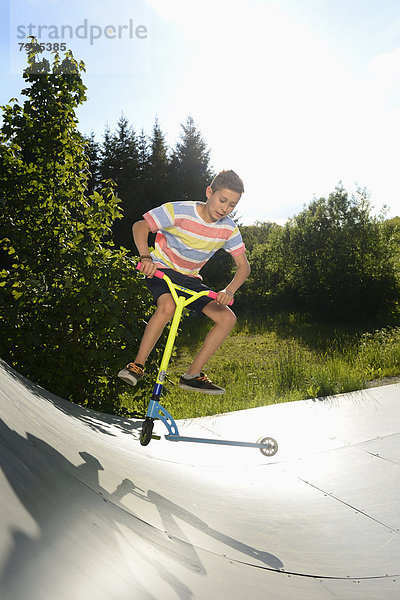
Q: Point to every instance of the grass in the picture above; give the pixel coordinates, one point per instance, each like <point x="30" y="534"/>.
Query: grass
<point x="278" y="359"/>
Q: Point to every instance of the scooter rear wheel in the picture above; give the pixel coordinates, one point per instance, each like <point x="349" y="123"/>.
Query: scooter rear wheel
<point x="271" y="446"/>
<point x="147" y="430"/>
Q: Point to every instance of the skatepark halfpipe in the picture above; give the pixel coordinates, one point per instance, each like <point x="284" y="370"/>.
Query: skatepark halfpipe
<point x="87" y="512"/>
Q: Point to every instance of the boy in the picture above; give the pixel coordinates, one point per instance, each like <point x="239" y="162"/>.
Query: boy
<point x="188" y="234"/>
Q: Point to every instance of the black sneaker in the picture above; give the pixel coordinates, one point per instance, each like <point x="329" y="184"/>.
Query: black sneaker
<point x="200" y="384"/>
<point x="131" y="374"/>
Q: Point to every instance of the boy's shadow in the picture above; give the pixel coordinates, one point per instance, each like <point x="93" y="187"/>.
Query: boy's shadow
<point x="63" y="499"/>
<point x="171" y="512"/>
<point x="72" y="521"/>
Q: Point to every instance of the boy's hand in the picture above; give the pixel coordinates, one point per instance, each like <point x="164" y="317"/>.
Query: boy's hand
<point x="224" y="297"/>
<point x="147" y="267"/>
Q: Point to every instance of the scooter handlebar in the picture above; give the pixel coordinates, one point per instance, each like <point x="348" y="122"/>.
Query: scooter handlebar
<point x="161" y="275"/>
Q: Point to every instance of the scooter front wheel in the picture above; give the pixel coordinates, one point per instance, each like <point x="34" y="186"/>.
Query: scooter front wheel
<point x="147" y="431"/>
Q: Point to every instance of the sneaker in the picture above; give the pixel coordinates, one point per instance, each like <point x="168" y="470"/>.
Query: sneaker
<point x="200" y="384"/>
<point x="131" y="374"/>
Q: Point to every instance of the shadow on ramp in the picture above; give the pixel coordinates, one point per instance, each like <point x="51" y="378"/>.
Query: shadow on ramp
<point x="86" y="512"/>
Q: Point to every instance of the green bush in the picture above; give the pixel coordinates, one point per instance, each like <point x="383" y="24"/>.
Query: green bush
<point x="334" y="259"/>
<point x="72" y="306"/>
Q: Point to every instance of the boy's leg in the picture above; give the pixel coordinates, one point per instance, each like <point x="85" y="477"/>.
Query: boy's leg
<point x="225" y="321"/>
<point x="154" y="328"/>
<point x="164" y="312"/>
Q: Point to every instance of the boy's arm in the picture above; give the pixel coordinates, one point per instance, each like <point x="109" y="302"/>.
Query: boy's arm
<point x="140" y="231"/>
<point x="242" y="273"/>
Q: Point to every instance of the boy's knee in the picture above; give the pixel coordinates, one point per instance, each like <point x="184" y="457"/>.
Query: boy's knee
<point x="233" y="319"/>
<point x="228" y="318"/>
<point x="166" y="308"/>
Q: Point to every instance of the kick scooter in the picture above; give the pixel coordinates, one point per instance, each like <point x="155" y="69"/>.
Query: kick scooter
<point x="267" y="445"/>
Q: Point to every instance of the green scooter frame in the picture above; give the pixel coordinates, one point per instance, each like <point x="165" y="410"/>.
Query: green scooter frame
<point x="268" y="446"/>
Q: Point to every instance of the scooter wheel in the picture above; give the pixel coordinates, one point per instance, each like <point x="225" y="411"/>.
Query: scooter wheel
<point x="271" y="446"/>
<point x="147" y="430"/>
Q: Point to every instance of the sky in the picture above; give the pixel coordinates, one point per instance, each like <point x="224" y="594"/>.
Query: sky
<point x="294" y="95"/>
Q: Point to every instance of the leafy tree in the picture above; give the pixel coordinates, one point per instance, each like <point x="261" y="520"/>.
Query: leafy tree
<point x="332" y="259"/>
<point x="257" y="234"/>
<point x="269" y="284"/>
<point x="70" y="303"/>
<point x="218" y="271"/>
<point x="392" y="234"/>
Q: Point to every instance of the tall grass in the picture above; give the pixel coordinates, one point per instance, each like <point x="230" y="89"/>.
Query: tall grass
<point x="278" y="359"/>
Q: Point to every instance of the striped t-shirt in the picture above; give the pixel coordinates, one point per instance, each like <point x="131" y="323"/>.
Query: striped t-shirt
<point x="185" y="242"/>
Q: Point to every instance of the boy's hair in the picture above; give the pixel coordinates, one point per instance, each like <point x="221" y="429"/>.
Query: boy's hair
<point x="228" y="180"/>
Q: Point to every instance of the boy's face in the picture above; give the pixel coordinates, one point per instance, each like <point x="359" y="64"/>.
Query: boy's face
<point x="219" y="204"/>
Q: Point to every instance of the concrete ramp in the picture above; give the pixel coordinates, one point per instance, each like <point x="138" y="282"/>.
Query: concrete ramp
<point x="87" y="513"/>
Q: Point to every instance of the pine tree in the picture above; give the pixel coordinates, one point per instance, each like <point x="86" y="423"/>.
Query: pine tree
<point x="158" y="189"/>
<point x="93" y="151"/>
<point x="143" y="155"/>
<point x="120" y="162"/>
<point x="190" y="168"/>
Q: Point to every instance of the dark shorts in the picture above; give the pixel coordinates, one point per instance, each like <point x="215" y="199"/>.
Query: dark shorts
<point x="158" y="287"/>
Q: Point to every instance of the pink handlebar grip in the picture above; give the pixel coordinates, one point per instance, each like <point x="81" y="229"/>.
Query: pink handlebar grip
<point x="160" y="275"/>
<point x="214" y="296"/>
